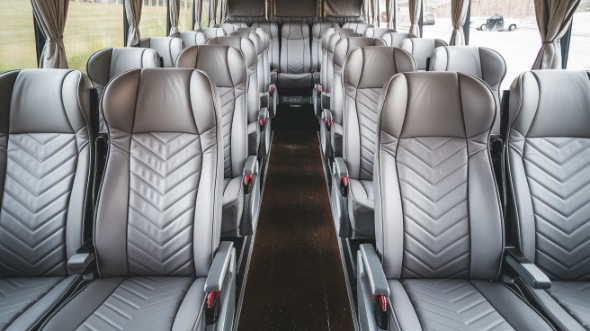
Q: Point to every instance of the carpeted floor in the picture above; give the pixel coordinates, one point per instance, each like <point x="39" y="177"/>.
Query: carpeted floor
<point x="295" y="280"/>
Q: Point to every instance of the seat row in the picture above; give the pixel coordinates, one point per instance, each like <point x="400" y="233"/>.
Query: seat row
<point x="442" y="259"/>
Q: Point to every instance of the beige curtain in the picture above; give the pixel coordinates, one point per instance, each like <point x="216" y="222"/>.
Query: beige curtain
<point x="415" y="6"/>
<point x="388" y="11"/>
<point x="553" y="19"/>
<point x="133" y="12"/>
<point x="458" y="16"/>
<point x="174" y="14"/>
<point x="51" y="16"/>
<point x="198" y="9"/>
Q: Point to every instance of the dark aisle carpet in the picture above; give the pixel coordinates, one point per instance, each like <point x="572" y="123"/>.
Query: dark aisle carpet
<point x="295" y="118"/>
<point x="295" y="280"/>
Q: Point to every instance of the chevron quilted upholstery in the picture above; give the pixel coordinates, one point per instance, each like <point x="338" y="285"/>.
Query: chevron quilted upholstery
<point x="433" y="184"/>
<point x="558" y="174"/>
<point x="574" y="298"/>
<point x="295" y="48"/>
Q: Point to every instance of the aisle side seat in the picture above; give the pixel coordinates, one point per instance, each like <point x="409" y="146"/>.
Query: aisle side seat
<point x="394" y="39"/>
<point x="200" y="36"/>
<point x="377" y="32"/>
<point x="272" y="31"/>
<point x="322" y="96"/>
<point x="167" y="47"/>
<point x="422" y="50"/>
<point x="317" y="31"/>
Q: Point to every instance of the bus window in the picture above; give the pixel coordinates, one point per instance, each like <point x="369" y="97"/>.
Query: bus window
<point x="185" y="21"/>
<point x="579" y="55"/>
<point x="154" y="17"/>
<point x="437" y="19"/>
<point x="403" y="16"/>
<point x="17" y="36"/>
<point x="510" y="28"/>
<point x="91" y="26"/>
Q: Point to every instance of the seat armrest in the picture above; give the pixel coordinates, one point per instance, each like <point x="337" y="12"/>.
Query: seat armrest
<point x="219" y="267"/>
<point x="520" y="265"/>
<point x="250" y="166"/>
<point x="328" y="118"/>
<point x="263" y="116"/>
<point x="81" y="261"/>
<point x="377" y="280"/>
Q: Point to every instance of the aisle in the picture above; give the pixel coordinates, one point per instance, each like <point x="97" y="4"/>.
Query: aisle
<point x="295" y="280"/>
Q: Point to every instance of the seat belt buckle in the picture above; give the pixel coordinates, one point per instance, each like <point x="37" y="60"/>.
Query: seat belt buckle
<point x="344" y="184"/>
<point x="212" y="309"/>
<point x="380" y="310"/>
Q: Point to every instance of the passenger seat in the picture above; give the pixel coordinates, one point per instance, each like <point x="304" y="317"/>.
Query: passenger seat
<point x="394" y="39"/>
<point x="377" y="32"/>
<point x="231" y="27"/>
<point x="167" y="47"/>
<point x="295" y="69"/>
<point x="272" y="30"/>
<point x="422" y="50"/>
<point x="200" y="36"/>
<point x="317" y="32"/>
<point x="358" y="27"/>
<point x="46" y="200"/>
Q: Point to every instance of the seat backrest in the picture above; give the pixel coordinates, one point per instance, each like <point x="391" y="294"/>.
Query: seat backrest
<point x="437" y="209"/>
<point x="266" y="56"/>
<point x="341" y="51"/>
<point x="226" y="68"/>
<point x="46" y="170"/>
<point x="200" y="36"/>
<point x="394" y="39"/>
<point x="325" y="41"/>
<point x="317" y="33"/>
<point x="246" y="46"/>
<point x="108" y="63"/>
<point x="230" y="27"/>
<point x="159" y="205"/>
<point x="377" y="32"/>
<point x="359" y="27"/>
<point x="272" y="30"/>
<point x="485" y="63"/>
<point x="548" y="162"/>
<point x="330" y="46"/>
<point x="295" y="48"/>
<point x="422" y="49"/>
<point x="365" y="72"/>
<point x="258" y="44"/>
<point x="167" y="47"/>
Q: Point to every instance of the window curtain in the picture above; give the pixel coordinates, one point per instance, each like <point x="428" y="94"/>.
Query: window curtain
<point x="198" y="9"/>
<point x="51" y="17"/>
<point x="133" y="12"/>
<point x="415" y="7"/>
<point x="458" y="16"/>
<point x="553" y="19"/>
<point x="174" y="14"/>
<point x="388" y="12"/>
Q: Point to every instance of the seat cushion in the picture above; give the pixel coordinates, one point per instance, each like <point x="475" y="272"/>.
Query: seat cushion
<point x="568" y="303"/>
<point x="23" y="301"/>
<point x="456" y="304"/>
<point x="361" y="208"/>
<point x="134" y="303"/>
<point x="295" y="80"/>
<point x="233" y="205"/>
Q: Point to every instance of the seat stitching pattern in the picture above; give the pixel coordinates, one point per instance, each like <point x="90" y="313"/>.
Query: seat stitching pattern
<point x="574" y="298"/>
<point x="366" y="107"/>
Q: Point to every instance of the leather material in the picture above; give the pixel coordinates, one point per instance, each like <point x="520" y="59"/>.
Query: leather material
<point x="324" y="73"/>
<point x="167" y="47"/>
<point x="446" y="222"/>
<point x="133" y="303"/>
<point x="200" y="36"/>
<point x="233" y="205"/>
<point x="422" y="49"/>
<point x="230" y="27"/>
<point x="330" y="46"/>
<point x="295" y="49"/>
<point x="394" y="39"/>
<point x="272" y="30"/>
<point x="377" y="32"/>
<point x="301" y="81"/>
<point x="548" y="157"/>
<point x="317" y="33"/>
<point x="361" y="207"/>
<point x="566" y="303"/>
<point x="484" y="63"/>
<point x="24" y="301"/>
<point x="357" y="27"/>
<point x="260" y="49"/>
<point x="159" y="209"/>
<point x="265" y="67"/>
<point x="108" y="63"/>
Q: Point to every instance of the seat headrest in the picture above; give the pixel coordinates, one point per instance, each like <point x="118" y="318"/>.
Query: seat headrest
<point x="253" y="36"/>
<point x="167" y="47"/>
<point x="107" y="63"/>
<point x="348" y="44"/>
<point x="157" y="100"/>
<point x="224" y="64"/>
<point x="62" y="95"/>
<point x="295" y="31"/>
<point x="336" y="36"/>
<point x="372" y="67"/>
<point x="244" y="44"/>
<point x="319" y="29"/>
<point x="437" y="104"/>
<point x="394" y="39"/>
<point x="329" y="33"/>
<point x="377" y="32"/>
<point x="422" y="49"/>
<point x="482" y="62"/>
<point x="551" y="103"/>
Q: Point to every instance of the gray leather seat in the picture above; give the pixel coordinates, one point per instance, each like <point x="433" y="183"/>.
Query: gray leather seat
<point x="167" y="47"/>
<point x="422" y="49"/>
<point x="332" y="118"/>
<point x="226" y="67"/>
<point x="231" y="27"/>
<point x="108" y="63"/>
<point x="200" y="36"/>
<point x="485" y="63"/>
<point x="258" y="136"/>
<point x="272" y="31"/>
<point x="157" y="223"/>
<point x="377" y="32"/>
<point x="438" y="219"/>
<point x="358" y="27"/>
<point x="295" y="57"/>
<point x="548" y="160"/>
<point x="317" y="34"/>
<point x="394" y="39"/>
<point x="322" y="97"/>
<point x="365" y="72"/>
<point x="46" y="174"/>
<point x="260" y="47"/>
